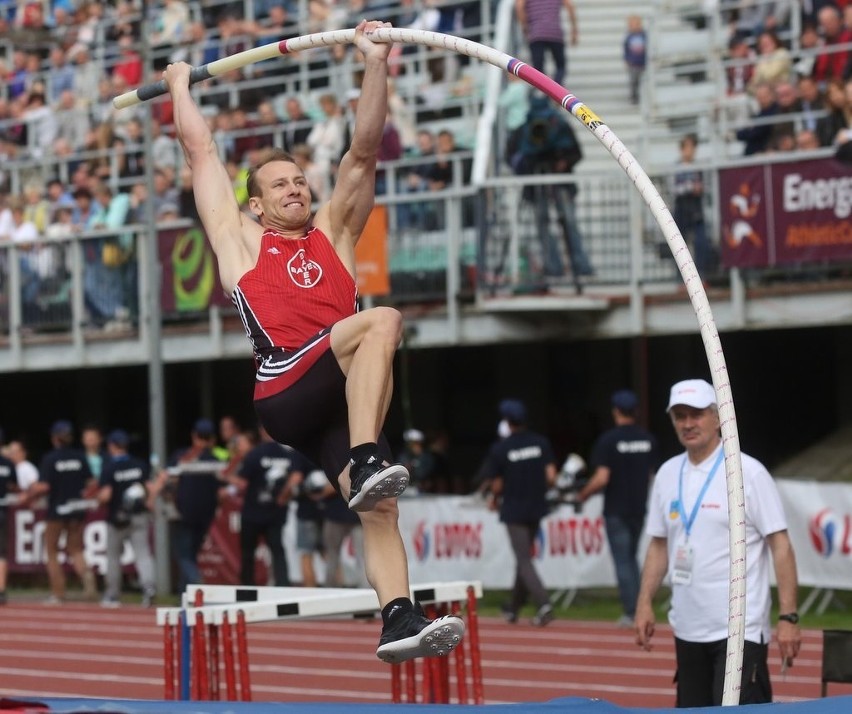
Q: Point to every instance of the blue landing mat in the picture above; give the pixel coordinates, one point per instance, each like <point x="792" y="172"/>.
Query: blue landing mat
<point x="572" y="705"/>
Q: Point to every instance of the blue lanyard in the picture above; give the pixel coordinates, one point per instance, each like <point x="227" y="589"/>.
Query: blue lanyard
<point x="687" y="522"/>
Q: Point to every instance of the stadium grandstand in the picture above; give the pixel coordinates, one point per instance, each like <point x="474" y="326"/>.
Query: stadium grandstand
<point x="105" y="271"/>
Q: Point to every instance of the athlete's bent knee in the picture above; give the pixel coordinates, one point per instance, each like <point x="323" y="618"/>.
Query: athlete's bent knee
<point x="385" y="513"/>
<point x="389" y="321"/>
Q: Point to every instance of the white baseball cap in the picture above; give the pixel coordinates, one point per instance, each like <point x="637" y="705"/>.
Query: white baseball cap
<point x="413" y="435"/>
<point x="695" y="393"/>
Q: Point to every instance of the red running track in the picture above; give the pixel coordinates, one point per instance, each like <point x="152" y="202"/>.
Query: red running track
<point x="82" y="650"/>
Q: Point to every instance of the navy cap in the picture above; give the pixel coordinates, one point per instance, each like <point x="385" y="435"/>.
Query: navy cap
<point x="625" y="400"/>
<point x="204" y="428"/>
<point x="514" y="411"/>
<point x="118" y="437"/>
<point x="63" y="427"/>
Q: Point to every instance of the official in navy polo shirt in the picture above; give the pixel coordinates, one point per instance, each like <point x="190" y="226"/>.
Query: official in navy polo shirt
<point x="521" y="468"/>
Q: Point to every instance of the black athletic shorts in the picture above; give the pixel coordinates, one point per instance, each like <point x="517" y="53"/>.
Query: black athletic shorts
<point x="311" y="416"/>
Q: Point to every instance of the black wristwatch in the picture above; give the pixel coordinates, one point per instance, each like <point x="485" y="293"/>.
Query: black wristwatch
<point x="791" y="617"/>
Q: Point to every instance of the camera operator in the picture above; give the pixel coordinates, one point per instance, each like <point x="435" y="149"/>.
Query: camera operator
<point x="546" y="144"/>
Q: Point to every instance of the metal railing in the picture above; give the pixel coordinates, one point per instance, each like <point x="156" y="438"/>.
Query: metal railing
<point x="462" y="245"/>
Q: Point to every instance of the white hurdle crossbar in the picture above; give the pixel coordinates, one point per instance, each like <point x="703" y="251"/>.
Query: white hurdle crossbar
<point x="265" y="604"/>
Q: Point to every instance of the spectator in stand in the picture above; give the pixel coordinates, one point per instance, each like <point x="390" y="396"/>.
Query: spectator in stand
<point x="740" y="65"/>
<point x="36" y="207"/>
<point x="752" y="17"/>
<point x="787" y="102"/>
<point x="61" y="223"/>
<point x="514" y="101"/>
<point x="73" y="119"/>
<point x="60" y="74"/>
<point x="635" y="47"/>
<point x="164" y="148"/>
<point x="832" y="62"/>
<point x="25" y="235"/>
<point x="17" y="78"/>
<point x="809" y="46"/>
<point x="104" y="271"/>
<point x="88" y="20"/>
<point x="164" y="189"/>
<point x="541" y="21"/>
<point x="268" y="125"/>
<point x="245" y="134"/>
<point x="774" y="63"/>
<point x="314" y="173"/>
<point x="198" y="48"/>
<point x="688" y="190"/>
<point x="828" y="127"/>
<point x="403" y="117"/>
<point x="58" y="195"/>
<point x="299" y="125"/>
<point x="328" y="135"/>
<point x="390" y="148"/>
<point x="756" y="136"/>
<point x="87" y="77"/>
<point x="42" y="126"/>
<point x="811" y="102"/>
<point x="807" y="140"/>
<point x="129" y="64"/>
<point x="170" y="24"/>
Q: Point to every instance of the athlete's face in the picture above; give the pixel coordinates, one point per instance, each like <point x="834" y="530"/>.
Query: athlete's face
<point x="697" y="429"/>
<point x="285" y="200"/>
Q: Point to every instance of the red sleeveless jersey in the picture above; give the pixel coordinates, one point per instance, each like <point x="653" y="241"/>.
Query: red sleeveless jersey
<point x="297" y="288"/>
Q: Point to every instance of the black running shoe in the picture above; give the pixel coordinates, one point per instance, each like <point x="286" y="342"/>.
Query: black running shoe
<point x="409" y="634"/>
<point x="371" y="482"/>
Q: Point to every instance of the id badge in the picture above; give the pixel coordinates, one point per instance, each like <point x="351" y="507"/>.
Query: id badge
<point x="683" y="562"/>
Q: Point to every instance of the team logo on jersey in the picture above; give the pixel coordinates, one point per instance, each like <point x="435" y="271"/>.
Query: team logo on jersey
<point x="303" y="271"/>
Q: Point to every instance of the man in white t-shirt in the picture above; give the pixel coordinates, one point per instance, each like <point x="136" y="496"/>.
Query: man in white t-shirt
<point x="688" y="524"/>
<point x="25" y="470"/>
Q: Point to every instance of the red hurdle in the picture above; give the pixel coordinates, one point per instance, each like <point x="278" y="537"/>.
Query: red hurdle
<point x="203" y="657"/>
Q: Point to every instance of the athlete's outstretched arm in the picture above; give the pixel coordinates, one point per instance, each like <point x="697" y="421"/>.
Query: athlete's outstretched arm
<point x="354" y="193"/>
<point x="214" y="192"/>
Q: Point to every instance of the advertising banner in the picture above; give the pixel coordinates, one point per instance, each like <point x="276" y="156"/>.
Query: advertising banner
<point x="819" y="517"/>
<point x="786" y="214"/>
<point x="26" y="542"/>
<point x="190" y="276"/>
<point x="457" y="537"/>
<point x="371" y="255"/>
